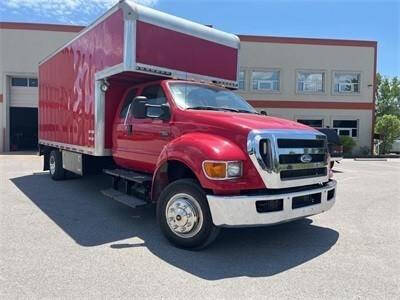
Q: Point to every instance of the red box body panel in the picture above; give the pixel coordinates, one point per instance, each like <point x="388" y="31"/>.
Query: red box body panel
<point x="66" y="93"/>
<point x="170" y="49"/>
<point x="67" y="79"/>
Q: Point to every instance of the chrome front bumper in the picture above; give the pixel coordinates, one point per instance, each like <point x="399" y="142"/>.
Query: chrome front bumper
<point x="236" y="211"/>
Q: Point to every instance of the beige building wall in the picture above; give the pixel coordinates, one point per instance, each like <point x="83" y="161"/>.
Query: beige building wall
<point x="290" y="55"/>
<point x="22" y="46"/>
<point x="364" y="118"/>
<point x="289" y="58"/>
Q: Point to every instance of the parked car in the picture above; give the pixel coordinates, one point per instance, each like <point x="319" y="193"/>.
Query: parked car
<point x="335" y="148"/>
<point x="148" y="97"/>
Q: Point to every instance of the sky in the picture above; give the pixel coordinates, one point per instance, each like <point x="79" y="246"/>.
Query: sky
<point x="377" y="20"/>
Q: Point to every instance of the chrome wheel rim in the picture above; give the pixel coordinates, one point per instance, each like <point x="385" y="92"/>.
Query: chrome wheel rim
<point x="52" y="164"/>
<point x="184" y="215"/>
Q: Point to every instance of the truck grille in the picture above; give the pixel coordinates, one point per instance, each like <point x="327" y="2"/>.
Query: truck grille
<point x="300" y="143"/>
<point x="291" y="174"/>
<point x="290" y="153"/>
<point x="290" y="158"/>
<point x="296" y="158"/>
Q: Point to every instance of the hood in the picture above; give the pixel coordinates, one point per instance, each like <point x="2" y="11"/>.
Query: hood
<point x="240" y="121"/>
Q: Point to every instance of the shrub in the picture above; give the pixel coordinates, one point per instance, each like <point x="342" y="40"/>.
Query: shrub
<point x="388" y="126"/>
<point x="364" y="150"/>
<point x="348" y="143"/>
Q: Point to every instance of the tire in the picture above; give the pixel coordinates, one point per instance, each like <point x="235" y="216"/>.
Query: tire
<point x="57" y="171"/>
<point x="332" y="163"/>
<point x="178" y="205"/>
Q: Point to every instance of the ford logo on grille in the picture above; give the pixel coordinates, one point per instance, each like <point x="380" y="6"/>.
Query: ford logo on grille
<point x="306" y="158"/>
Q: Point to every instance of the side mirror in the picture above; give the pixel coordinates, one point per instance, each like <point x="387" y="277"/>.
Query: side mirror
<point x="161" y="112"/>
<point x="138" y="107"/>
<point x="264" y="113"/>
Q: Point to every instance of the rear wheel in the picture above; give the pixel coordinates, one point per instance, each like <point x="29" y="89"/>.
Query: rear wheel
<point x="57" y="171"/>
<point x="184" y="215"/>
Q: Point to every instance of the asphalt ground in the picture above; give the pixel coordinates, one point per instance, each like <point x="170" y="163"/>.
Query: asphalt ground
<point x="66" y="240"/>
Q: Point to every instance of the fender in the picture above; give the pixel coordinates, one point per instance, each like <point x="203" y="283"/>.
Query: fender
<point x="193" y="148"/>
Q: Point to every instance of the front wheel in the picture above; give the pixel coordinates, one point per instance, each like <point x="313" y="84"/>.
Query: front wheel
<point x="184" y="215"/>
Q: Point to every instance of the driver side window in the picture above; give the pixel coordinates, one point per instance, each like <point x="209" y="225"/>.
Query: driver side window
<point x="128" y="100"/>
<point x="154" y="94"/>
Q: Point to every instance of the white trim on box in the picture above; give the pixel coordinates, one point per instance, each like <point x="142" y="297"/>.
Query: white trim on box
<point x="129" y="43"/>
<point x="109" y="71"/>
<point x="80" y="149"/>
<point x="176" y="74"/>
<point x="167" y="21"/>
<point x="99" y="119"/>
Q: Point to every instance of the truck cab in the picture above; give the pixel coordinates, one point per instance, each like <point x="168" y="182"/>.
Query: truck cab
<point x="210" y="154"/>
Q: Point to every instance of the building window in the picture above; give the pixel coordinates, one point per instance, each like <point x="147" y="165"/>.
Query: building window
<point x="242" y="80"/>
<point x="266" y="80"/>
<point x="310" y="82"/>
<point x="346" y="127"/>
<point x="24" y="82"/>
<point x="15" y="81"/>
<point x="33" y="82"/>
<point x="312" y="123"/>
<point x="347" y="82"/>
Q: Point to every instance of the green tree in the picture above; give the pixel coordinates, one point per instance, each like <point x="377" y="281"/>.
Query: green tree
<point x="387" y="96"/>
<point x="388" y="126"/>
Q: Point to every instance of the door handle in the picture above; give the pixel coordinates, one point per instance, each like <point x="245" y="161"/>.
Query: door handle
<point x="164" y="133"/>
<point x="129" y="129"/>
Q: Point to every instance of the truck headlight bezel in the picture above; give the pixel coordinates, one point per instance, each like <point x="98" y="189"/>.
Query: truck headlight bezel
<point x="222" y="170"/>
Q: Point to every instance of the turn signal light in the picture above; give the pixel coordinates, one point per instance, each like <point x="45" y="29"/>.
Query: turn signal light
<point x="220" y="170"/>
<point x="215" y="170"/>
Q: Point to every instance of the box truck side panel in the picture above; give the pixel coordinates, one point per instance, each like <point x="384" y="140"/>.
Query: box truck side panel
<point x="166" y="48"/>
<point x="67" y="91"/>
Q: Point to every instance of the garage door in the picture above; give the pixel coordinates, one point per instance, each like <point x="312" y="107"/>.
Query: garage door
<point x="23" y="113"/>
<point x="24" y="92"/>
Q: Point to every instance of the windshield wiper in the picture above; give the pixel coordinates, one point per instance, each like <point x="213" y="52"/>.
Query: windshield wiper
<point x="222" y="109"/>
<point x="247" y="111"/>
<point x="203" y="107"/>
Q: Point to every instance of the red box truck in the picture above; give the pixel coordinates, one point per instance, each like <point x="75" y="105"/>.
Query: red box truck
<point x="147" y="97"/>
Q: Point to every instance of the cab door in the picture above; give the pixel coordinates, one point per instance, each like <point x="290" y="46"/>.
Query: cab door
<point x="149" y="136"/>
<point x="122" y="131"/>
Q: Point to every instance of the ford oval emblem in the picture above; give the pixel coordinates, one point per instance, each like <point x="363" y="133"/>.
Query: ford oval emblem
<point x="306" y="158"/>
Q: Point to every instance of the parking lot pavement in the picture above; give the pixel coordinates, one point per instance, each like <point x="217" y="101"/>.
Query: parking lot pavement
<point x="65" y="239"/>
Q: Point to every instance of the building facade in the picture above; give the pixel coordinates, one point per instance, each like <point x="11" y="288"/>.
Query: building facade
<point x="319" y="82"/>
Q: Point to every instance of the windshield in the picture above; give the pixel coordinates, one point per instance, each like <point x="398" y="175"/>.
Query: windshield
<point x="200" y="96"/>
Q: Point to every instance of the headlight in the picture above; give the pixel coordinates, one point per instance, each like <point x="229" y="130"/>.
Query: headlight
<point x="220" y="170"/>
<point x="234" y="169"/>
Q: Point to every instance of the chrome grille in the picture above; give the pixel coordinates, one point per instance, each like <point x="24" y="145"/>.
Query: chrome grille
<point x="300" y="143"/>
<point x="291" y="165"/>
<point x="296" y="158"/>
<point x="287" y="158"/>
<point x="303" y="173"/>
